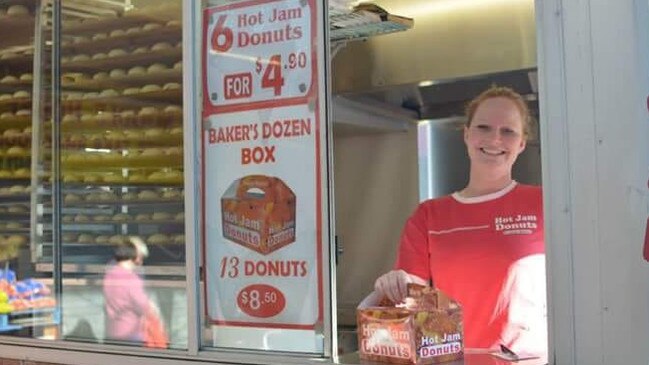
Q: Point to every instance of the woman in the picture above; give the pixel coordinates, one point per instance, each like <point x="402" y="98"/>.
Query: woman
<point x="483" y="245"/>
<point x="126" y="302"/>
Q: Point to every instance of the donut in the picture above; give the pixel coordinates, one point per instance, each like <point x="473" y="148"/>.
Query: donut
<point x="80" y="58"/>
<point x="150" y="88"/>
<point x="17" y="10"/>
<point x="147" y="195"/>
<point x="137" y="70"/>
<point x="171" y="86"/>
<point x="151" y="26"/>
<point x="158" y="239"/>
<point x="161" y="216"/>
<point x="117" y="52"/>
<point x="143" y="217"/>
<point x="108" y="93"/>
<point x="117" y="73"/>
<point x="21" y="94"/>
<point x="117" y="33"/>
<point x="102" y="240"/>
<point x="100" y="76"/>
<point x="161" y="46"/>
<point x="9" y="79"/>
<point x="140" y="50"/>
<point x="131" y="91"/>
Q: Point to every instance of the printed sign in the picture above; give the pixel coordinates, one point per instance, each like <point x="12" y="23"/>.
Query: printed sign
<point x="261" y="168"/>
<point x="258" y="54"/>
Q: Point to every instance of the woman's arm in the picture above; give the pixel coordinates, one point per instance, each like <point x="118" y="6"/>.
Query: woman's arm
<point x="412" y="265"/>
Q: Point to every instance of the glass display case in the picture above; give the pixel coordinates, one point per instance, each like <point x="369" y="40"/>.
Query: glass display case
<point x="119" y="139"/>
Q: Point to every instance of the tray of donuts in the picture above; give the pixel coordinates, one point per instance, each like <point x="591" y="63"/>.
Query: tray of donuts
<point x="169" y="116"/>
<point x="143" y="178"/>
<point x="70" y="238"/>
<point x="147" y="33"/>
<point x="148" y="157"/>
<point x="167" y="218"/>
<point x="145" y="196"/>
<point x="127" y="139"/>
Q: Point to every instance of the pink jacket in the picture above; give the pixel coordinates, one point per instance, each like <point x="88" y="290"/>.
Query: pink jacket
<point x="126" y="303"/>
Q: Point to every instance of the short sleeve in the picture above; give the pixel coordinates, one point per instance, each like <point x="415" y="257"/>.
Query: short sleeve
<point x="413" y="254"/>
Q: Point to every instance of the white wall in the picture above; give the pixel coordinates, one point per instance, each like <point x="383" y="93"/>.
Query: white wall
<point x="376" y="190"/>
<point x="595" y="133"/>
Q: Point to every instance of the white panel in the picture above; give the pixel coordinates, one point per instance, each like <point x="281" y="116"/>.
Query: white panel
<point x="582" y="174"/>
<point x="593" y="68"/>
<point x="556" y="189"/>
<point x="622" y="147"/>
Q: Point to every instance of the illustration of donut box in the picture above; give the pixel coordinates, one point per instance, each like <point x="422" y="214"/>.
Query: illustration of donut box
<point x="428" y="330"/>
<point x="258" y="212"/>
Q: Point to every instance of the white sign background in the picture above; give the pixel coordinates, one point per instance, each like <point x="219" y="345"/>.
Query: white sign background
<point x="290" y="38"/>
<point x="295" y="165"/>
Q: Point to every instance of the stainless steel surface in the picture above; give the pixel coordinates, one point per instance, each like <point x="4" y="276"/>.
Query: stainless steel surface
<point x="440" y="99"/>
<point x="450" y="39"/>
<point x="191" y="16"/>
<point x="456" y="49"/>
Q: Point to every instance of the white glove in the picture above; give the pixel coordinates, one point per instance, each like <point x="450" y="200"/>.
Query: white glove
<point x="394" y="284"/>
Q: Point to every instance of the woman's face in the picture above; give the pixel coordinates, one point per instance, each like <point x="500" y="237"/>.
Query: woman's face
<point x="495" y="137"/>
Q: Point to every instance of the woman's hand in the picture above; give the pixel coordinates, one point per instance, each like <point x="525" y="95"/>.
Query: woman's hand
<point x="394" y="284"/>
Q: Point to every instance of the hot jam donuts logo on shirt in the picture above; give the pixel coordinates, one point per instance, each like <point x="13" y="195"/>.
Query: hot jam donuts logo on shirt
<point x="518" y="224"/>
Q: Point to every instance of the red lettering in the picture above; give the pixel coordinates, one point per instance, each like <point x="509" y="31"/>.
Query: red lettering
<point x="249" y="268"/>
<point x="237" y="85"/>
<point x="277" y="268"/>
<point x="258" y="155"/>
<point x="286" y="128"/>
<point x="245" y="156"/>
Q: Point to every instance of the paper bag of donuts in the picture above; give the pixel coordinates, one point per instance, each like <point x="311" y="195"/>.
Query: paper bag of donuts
<point x="426" y="330"/>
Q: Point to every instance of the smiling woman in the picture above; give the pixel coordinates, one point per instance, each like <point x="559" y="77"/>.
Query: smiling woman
<point x="483" y="245"/>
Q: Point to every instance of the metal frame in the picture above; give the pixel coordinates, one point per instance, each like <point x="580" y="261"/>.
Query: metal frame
<point x="552" y="109"/>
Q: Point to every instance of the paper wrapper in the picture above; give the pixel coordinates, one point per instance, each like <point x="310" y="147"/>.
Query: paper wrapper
<point x="427" y="331"/>
<point x="258" y="212"/>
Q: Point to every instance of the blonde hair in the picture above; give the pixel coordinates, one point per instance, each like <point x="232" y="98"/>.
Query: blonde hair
<point x="501" y="92"/>
<point x="140" y="246"/>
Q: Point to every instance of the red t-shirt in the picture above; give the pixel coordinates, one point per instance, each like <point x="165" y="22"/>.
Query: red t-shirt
<point x="488" y="254"/>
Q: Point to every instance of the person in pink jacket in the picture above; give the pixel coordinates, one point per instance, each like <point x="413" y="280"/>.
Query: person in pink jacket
<point x="125" y="301"/>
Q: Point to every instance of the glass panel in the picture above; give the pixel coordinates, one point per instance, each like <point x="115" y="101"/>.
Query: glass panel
<point x="107" y="187"/>
<point x="265" y="214"/>
<point x="27" y="304"/>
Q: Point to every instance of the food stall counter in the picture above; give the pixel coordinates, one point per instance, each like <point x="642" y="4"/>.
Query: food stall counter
<point x="471" y="357"/>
